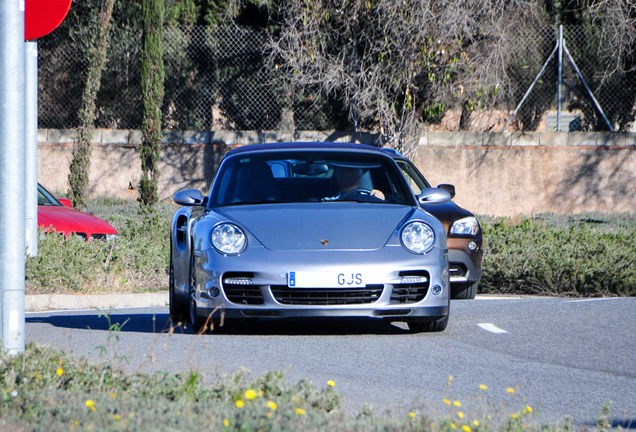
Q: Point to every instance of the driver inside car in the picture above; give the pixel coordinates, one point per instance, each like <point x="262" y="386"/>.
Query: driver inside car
<point x="348" y="181"/>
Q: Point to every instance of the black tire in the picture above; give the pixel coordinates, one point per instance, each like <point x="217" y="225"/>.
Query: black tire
<point x="196" y="322"/>
<point x="178" y="308"/>
<point x="428" y="326"/>
<point x="466" y="291"/>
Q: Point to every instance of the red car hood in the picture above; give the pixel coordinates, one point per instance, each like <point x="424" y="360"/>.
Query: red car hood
<point x="67" y="220"/>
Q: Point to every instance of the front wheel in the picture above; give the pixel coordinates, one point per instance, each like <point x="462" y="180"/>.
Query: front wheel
<point x="466" y="291"/>
<point x="178" y="308"/>
<point x="428" y="326"/>
<point x="198" y="324"/>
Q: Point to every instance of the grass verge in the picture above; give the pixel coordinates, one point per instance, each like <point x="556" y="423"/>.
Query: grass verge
<point x="576" y="255"/>
<point x="43" y="389"/>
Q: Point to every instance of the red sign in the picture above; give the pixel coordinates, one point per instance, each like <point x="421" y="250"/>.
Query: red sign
<point x="41" y="17"/>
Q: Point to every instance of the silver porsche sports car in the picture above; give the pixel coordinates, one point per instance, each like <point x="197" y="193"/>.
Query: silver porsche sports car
<point x="309" y="230"/>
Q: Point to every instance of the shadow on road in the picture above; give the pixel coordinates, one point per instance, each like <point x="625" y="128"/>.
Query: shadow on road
<point x="616" y="423"/>
<point x="161" y="323"/>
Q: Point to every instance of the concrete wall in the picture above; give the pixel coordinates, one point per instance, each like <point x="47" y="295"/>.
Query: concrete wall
<point x="497" y="174"/>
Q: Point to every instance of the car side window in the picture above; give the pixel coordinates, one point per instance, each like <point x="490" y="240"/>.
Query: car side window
<point x="415" y="181"/>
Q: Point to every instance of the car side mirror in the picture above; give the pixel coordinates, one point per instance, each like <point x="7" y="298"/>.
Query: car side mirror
<point x="448" y="188"/>
<point x="65" y="202"/>
<point x="433" y="196"/>
<point x="189" y="197"/>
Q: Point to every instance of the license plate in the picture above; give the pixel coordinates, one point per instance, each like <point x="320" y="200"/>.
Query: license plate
<point x="325" y="280"/>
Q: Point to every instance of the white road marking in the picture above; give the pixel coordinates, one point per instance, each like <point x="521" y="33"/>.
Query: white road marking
<point x="491" y="328"/>
<point x="595" y="299"/>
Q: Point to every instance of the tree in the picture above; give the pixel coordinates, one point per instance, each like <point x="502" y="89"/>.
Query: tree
<point x="78" y="178"/>
<point x="398" y="63"/>
<point x="152" y="76"/>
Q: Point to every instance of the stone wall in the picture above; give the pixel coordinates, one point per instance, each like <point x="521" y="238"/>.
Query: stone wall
<point x="504" y="174"/>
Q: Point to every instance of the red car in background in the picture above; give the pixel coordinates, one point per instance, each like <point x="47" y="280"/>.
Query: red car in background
<point x="54" y="214"/>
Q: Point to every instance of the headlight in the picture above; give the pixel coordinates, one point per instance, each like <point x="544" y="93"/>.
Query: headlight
<point x="228" y="239"/>
<point x="111" y="237"/>
<point x="465" y="226"/>
<point x="418" y="237"/>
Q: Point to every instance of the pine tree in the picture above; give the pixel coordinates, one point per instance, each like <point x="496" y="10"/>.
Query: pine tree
<point x="78" y="178"/>
<point x="152" y="76"/>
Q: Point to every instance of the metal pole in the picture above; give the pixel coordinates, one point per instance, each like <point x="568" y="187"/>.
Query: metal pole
<point x="560" y="78"/>
<point x="596" y="104"/>
<point x="531" y="87"/>
<point x="31" y="181"/>
<point x="12" y="166"/>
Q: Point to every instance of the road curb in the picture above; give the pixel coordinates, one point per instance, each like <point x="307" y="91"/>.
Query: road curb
<point x="39" y="302"/>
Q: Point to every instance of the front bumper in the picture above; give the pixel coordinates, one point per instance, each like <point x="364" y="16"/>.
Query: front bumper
<point x="387" y="293"/>
<point x="465" y="265"/>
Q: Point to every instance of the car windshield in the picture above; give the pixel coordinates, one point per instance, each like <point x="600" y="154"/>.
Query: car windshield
<point x="309" y="176"/>
<point x="45" y="198"/>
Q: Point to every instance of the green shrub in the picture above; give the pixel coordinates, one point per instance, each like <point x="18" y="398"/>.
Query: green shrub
<point x="576" y="256"/>
<point x="137" y="261"/>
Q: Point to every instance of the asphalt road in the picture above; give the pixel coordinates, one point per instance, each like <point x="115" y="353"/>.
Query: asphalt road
<point x="562" y="357"/>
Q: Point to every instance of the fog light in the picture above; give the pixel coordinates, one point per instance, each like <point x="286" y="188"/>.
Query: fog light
<point x="238" y="281"/>
<point x="437" y="290"/>
<point x="472" y="245"/>
<point x="214" y="291"/>
<point x="413" y="279"/>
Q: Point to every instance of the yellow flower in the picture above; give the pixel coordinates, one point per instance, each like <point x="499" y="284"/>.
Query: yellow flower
<point x="460" y="414"/>
<point x="476" y="423"/>
<point x="411" y="414"/>
<point x="483" y="386"/>
<point x="272" y="405"/>
<point x="89" y="403"/>
<point x="116" y="417"/>
<point x="446" y="401"/>
<point x="250" y="394"/>
<point x="453" y="426"/>
<point x="131" y="415"/>
<point x="269" y="414"/>
<point x="457" y="403"/>
<point x="240" y="404"/>
<point x="261" y="392"/>
<point x="514" y="416"/>
<point x="59" y="371"/>
<point x="113" y="395"/>
<point x="450" y="377"/>
<point x="178" y="413"/>
<point x="488" y="417"/>
<point x="38" y="376"/>
<point x="300" y="411"/>
<point x="528" y="408"/>
<point x="466" y="428"/>
<point x="330" y="383"/>
<point x="511" y="390"/>
<point x="226" y="423"/>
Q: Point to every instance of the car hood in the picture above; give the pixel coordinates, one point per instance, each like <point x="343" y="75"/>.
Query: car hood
<point x="67" y="220"/>
<point x="303" y="227"/>
<point x="447" y="212"/>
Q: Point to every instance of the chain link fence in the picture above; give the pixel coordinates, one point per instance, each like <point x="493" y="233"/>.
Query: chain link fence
<point x="219" y="79"/>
